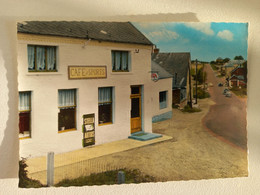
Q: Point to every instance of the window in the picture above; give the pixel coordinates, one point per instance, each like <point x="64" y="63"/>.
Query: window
<point x="120" y="61"/>
<point x="105" y="105"/>
<point x="163" y="99"/>
<point x="67" y="110"/>
<point x="41" y="58"/>
<point x="24" y="114"/>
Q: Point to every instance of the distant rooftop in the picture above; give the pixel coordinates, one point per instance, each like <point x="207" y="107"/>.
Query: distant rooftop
<point x="123" y="32"/>
<point x="176" y="64"/>
<point x="162" y="73"/>
<point x="231" y="63"/>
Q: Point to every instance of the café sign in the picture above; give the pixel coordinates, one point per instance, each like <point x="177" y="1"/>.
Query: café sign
<point x="87" y="72"/>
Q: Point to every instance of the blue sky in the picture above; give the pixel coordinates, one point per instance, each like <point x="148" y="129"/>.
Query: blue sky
<point x="205" y="41"/>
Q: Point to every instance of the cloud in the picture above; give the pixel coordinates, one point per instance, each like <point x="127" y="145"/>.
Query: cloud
<point x="202" y="27"/>
<point x="162" y="35"/>
<point x="225" y="34"/>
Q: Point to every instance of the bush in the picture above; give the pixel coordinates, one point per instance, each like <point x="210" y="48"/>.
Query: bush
<point x="24" y="180"/>
<point x="202" y="94"/>
<point x="187" y="108"/>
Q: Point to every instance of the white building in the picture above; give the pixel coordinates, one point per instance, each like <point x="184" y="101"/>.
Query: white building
<point x="99" y="71"/>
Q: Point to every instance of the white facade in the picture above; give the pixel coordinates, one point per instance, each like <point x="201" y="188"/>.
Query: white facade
<point x="44" y="87"/>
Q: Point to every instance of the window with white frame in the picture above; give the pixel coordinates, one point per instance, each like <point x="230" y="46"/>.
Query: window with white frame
<point x="24" y="114"/>
<point x="67" y="109"/>
<point x="163" y="99"/>
<point x="105" y="105"/>
<point x="42" y="58"/>
<point x="120" y="61"/>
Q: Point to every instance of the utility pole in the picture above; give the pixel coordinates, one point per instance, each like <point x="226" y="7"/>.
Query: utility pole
<point x="203" y="76"/>
<point x="196" y="82"/>
<point x="190" y="84"/>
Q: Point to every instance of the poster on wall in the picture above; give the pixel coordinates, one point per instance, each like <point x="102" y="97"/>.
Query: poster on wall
<point x="188" y="125"/>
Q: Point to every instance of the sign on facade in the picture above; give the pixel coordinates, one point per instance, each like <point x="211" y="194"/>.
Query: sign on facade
<point x="88" y="130"/>
<point x="87" y="72"/>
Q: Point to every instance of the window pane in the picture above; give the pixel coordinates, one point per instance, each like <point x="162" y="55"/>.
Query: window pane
<point x="162" y="99"/>
<point x="104" y="94"/>
<point x="31" y="55"/>
<point x="135" y="90"/>
<point x="105" y="113"/>
<point x="120" y="60"/>
<point x="124" y="60"/>
<point x="135" y="110"/>
<point x="67" y="118"/>
<point x="40" y="57"/>
<point x="24" y="122"/>
<point x="67" y="98"/>
<point x="24" y="101"/>
<point x="50" y="58"/>
<point x="105" y="104"/>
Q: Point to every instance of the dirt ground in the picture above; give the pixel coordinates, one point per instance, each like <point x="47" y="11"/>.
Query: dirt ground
<point x="193" y="153"/>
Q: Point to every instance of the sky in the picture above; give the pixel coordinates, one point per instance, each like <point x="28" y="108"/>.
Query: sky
<point x="205" y="41"/>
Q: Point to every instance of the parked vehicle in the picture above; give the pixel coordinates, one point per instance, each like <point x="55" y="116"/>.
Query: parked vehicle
<point x="220" y="84"/>
<point x="228" y="94"/>
<point x="225" y="91"/>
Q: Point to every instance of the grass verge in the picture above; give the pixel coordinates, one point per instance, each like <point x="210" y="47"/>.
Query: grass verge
<point x="239" y="92"/>
<point x="187" y="108"/>
<point x="202" y="94"/>
<point x="107" y="178"/>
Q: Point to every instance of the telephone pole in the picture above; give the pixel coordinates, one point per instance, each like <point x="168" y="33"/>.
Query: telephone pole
<point x="196" y="82"/>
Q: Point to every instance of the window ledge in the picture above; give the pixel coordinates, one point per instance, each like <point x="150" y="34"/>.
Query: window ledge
<point x="42" y="73"/>
<point x="121" y="73"/>
<point x="66" y="130"/>
<point x="27" y="137"/>
<point x="102" y="124"/>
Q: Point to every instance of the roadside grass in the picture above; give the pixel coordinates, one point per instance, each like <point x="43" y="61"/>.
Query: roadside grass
<point x="202" y="94"/>
<point x="24" y="180"/>
<point x="214" y="67"/>
<point x="220" y="76"/>
<point x="187" y="108"/>
<point x="107" y="178"/>
<point x="239" y="92"/>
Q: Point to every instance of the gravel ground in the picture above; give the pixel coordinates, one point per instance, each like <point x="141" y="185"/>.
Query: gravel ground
<point x="193" y="153"/>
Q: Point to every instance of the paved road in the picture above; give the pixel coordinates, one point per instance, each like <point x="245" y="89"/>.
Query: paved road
<point x="227" y="117"/>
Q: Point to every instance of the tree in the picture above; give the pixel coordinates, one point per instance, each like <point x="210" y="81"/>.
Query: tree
<point x="238" y="58"/>
<point x="226" y="60"/>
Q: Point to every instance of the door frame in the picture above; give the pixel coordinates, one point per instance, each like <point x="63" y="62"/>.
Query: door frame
<point x="140" y="96"/>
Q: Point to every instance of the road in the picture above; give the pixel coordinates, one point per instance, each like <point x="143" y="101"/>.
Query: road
<point x="227" y="118"/>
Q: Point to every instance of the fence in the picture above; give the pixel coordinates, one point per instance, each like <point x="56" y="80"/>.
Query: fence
<point x="56" y="172"/>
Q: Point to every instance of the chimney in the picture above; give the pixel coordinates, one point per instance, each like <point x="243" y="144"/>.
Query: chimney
<point x="155" y="49"/>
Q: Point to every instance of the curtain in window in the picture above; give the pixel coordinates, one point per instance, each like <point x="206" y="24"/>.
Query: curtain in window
<point x="66" y="98"/>
<point x="124" y="60"/>
<point x="30" y="50"/>
<point x="104" y="94"/>
<point x="24" y="101"/>
<point x="50" y="58"/>
<point x="40" y="53"/>
<point x="118" y="61"/>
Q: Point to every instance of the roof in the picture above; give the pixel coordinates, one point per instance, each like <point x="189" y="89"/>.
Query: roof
<point x="162" y="73"/>
<point x="123" y="32"/>
<point x="239" y="77"/>
<point x="238" y="67"/>
<point x="177" y="64"/>
<point x="231" y="63"/>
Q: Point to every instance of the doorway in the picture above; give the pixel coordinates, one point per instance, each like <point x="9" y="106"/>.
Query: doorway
<point x="136" y="109"/>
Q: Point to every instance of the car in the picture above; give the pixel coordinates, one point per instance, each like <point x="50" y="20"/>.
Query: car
<point x="220" y="84"/>
<point x="225" y="91"/>
<point x="228" y="94"/>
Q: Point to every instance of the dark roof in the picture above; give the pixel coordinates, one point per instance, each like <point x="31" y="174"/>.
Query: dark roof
<point x="175" y="64"/>
<point x="123" y="32"/>
<point x="232" y="63"/>
<point x="162" y="73"/>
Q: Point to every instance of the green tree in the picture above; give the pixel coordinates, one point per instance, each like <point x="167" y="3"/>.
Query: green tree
<point x="226" y="60"/>
<point x="238" y="58"/>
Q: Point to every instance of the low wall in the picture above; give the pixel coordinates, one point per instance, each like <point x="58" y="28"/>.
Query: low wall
<point x="162" y="117"/>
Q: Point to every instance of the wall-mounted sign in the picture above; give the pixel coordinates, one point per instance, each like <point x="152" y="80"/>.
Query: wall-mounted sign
<point x="88" y="130"/>
<point x="87" y="72"/>
<point x="154" y="76"/>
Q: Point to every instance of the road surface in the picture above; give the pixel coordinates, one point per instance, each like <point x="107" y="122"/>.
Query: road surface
<point x="227" y="118"/>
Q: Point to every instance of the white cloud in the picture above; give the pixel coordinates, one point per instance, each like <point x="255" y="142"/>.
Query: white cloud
<point x="202" y="27"/>
<point x="225" y="34"/>
<point x="163" y="35"/>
